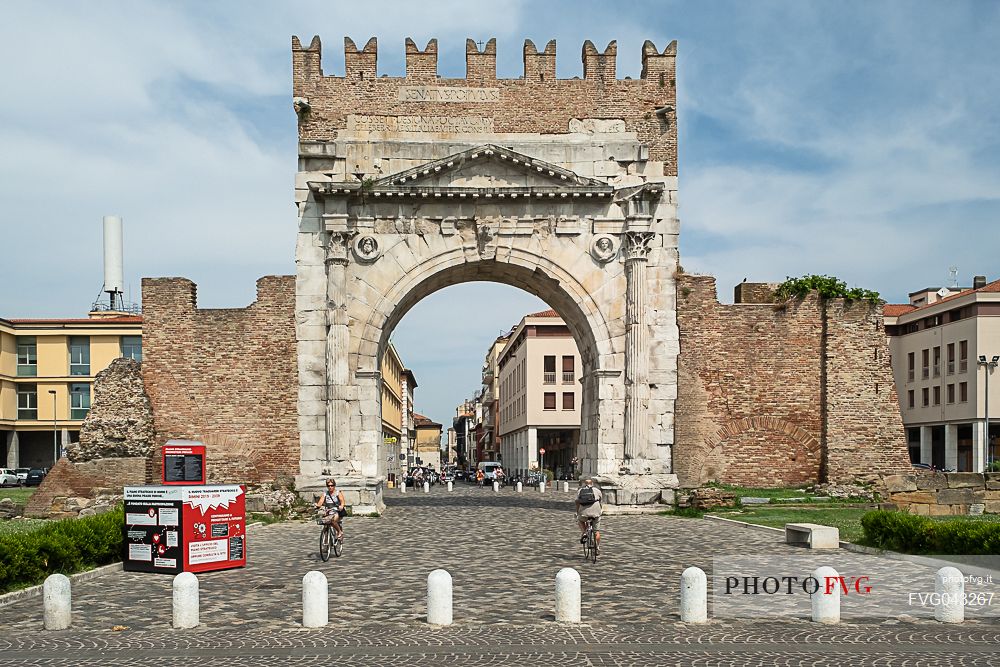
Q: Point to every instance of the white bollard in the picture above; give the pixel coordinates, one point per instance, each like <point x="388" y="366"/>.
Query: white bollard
<point x="541" y="487"/>
<point x="427" y="487"/>
<point x="185" y="600"/>
<point x="439" y="598"/>
<point x="57" y="601"/>
<point x="315" y="600"/>
<point x="402" y="487"/>
<point x="565" y="487"/>
<point x="826" y="606"/>
<point x="694" y="596"/>
<point x="568" y="596"/>
<point x="949" y="587"/>
<point x="519" y="487"/>
<point x="496" y="487"/>
<point x="450" y="487"/>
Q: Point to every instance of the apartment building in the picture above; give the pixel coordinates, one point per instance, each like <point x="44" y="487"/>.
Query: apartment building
<point x="47" y="371"/>
<point x="945" y="345"/>
<point x="539" y="395"/>
<point x="428" y="441"/>
<point x="489" y="444"/>
<point x="392" y="413"/>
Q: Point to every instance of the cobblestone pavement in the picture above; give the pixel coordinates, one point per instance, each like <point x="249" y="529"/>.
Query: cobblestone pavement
<point x="503" y="553"/>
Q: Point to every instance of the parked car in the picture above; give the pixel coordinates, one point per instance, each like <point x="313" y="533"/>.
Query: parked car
<point x="22" y="475"/>
<point x="8" y="477"/>
<point x="35" y="477"/>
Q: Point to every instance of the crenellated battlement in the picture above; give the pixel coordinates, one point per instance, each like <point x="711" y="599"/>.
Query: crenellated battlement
<point x="481" y="65"/>
<point x="538" y="102"/>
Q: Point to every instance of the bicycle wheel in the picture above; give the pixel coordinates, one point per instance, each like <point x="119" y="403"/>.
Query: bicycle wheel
<point x="338" y="546"/>
<point x="325" y="541"/>
<point x="586" y="546"/>
<point x="592" y="543"/>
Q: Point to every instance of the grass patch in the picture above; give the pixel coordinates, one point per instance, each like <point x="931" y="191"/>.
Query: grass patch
<point x="846" y="519"/>
<point x="19" y="495"/>
<point x="781" y="493"/>
<point x="688" y="512"/>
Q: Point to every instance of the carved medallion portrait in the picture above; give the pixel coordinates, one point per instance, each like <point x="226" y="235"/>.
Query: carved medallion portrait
<point x="604" y="248"/>
<point x="366" y="248"/>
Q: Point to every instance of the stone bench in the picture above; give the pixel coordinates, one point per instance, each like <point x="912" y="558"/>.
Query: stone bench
<point x="812" y="535"/>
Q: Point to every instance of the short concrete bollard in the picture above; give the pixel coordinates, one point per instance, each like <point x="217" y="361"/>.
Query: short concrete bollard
<point x="565" y="487"/>
<point x="315" y="600"/>
<point x="541" y="487"/>
<point x="826" y="605"/>
<point x="694" y="596"/>
<point x="450" y="486"/>
<point x="402" y="487"/>
<point x="568" y="596"/>
<point x="519" y="487"/>
<point x="427" y="487"/>
<point x="496" y="487"/>
<point x="57" y="599"/>
<point x="439" y="611"/>
<point x="185" y="601"/>
<point x="949" y="586"/>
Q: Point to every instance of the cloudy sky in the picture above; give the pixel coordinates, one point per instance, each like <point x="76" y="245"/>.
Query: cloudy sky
<point x="859" y="139"/>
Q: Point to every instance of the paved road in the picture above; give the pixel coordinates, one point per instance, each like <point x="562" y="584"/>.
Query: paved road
<point x="503" y="552"/>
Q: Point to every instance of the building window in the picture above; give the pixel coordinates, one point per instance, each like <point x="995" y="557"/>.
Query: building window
<point x="132" y="347"/>
<point x="549" y="370"/>
<point x="909" y="366"/>
<point x="951" y="358"/>
<point x="27" y="401"/>
<point x="937" y="361"/>
<point x="951" y="393"/>
<point x="963" y="392"/>
<point x="925" y="358"/>
<point x="79" y="355"/>
<point x="568" y="400"/>
<point x="27" y="356"/>
<point x="909" y="399"/>
<point x="568" y="370"/>
<point x="926" y="396"/>
<point x="550" y="400"/>
<point x="79" y="401"/>
<point x="963" y="356"/>
<point x="937" y="395"/>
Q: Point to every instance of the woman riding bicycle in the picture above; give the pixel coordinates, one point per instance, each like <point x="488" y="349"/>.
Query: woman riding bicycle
<point x="333" y="502"/>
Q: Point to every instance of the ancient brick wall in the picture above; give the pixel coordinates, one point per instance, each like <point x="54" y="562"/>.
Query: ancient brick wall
<point x="71" y="487"/>
<point x="936" y="493"/>
<point x="226" y="377"/>
<point x="538" y="102"/>
<point x="757" y="405"/>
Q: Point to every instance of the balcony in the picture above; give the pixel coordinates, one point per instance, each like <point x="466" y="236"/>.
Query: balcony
<point x="488" y="397"/>
<point x="549" y="378"/>
<point x="568" y="377"/>
<point x="487" y="375"/>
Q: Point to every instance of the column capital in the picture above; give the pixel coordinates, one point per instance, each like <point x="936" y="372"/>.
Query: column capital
<point x="636" y="246"/>
<point x="338" y="248"/>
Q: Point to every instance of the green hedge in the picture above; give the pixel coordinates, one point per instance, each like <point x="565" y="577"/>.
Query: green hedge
<point x="64" y="546"/>
<point x="908" y="533"/>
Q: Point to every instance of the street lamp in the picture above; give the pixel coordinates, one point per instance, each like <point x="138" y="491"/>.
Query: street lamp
<point x="988" y="365"/>
<point x="55" y="429"/>
<point x="541" y="463"/>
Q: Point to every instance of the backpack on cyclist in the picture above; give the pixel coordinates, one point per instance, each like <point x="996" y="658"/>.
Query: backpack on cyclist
<point x="587" y="496"/>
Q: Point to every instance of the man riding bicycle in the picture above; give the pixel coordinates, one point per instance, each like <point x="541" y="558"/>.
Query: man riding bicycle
<point x="333" y="502"/>
<point x="588" y="509"/>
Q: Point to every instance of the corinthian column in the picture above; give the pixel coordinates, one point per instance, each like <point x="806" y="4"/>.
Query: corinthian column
<point x="338" y="422"/>
<point x="636" y="353"/>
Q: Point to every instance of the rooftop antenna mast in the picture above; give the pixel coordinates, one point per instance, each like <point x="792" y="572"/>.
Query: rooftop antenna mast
<point x="113" y="269"/>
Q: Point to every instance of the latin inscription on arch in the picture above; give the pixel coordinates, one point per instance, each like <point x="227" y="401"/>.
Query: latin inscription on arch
<point x="452" y="124"/>
<point x="448" y="94"/>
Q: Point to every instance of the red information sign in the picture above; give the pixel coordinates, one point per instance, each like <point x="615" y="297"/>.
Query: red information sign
<point x="214" y="520"/>
<point x="183" y="462"/>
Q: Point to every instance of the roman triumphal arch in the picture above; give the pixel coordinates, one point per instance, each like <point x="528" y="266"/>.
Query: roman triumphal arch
<point x="565" y="188"/>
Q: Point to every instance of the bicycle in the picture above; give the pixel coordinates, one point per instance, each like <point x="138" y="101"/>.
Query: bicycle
<point x="328" y="541"/>
<point x="590" y="542"/>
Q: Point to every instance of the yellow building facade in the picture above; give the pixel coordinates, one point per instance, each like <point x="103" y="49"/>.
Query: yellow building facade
<point x="428" y="445"/>
<point x="47" y="370"/>
<point x="392" y="411"/>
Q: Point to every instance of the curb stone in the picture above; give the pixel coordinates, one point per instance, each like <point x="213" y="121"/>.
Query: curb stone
<point x="36" y="591"/>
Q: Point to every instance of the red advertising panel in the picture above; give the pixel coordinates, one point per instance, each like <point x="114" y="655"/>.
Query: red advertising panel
<point x="183" y="462"/>
<point x="214" y="527"/>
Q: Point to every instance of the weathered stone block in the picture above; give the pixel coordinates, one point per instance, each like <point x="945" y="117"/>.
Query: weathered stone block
<point x="934" y="480"/>
<point x="993" y="481"/>
<point x="897" y="483"/>
<point x="908" y="497"/>
<point x="959" y="496"/>
<point x="961" y="480"/>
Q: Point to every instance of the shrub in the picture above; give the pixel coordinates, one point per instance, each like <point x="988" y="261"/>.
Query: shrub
<point x="65" y="546"/>
<point x="828" y="287"/>
<point x="898" y="531"/>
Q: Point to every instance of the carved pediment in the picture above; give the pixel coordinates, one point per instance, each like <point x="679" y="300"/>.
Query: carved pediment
<point x="489" y="166"/>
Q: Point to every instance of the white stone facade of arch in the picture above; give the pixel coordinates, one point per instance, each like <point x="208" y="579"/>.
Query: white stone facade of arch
<point x="503" y="224"/>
